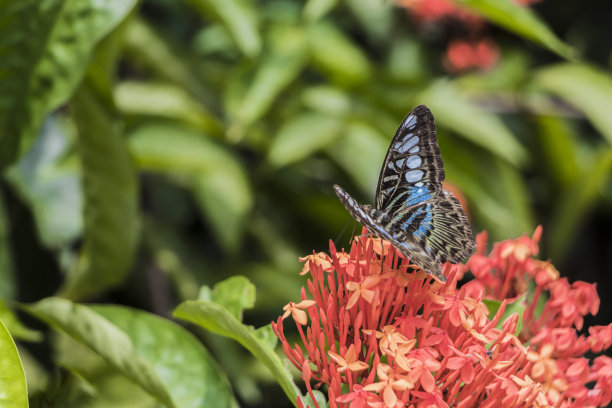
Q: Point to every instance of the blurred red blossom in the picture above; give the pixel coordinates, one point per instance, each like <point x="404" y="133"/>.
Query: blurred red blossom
<point x="376" y="331"/>
<point x="472" y="51"/>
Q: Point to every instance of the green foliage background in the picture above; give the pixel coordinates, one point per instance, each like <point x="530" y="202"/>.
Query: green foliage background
<point x="149" y="148"/>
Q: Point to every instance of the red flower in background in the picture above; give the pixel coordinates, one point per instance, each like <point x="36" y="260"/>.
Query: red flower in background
<point x="380" y="333"/>
<point x="475" y="51"/>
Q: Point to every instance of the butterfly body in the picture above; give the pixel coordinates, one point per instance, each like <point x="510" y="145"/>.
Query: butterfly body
<point x="412" y="210"/>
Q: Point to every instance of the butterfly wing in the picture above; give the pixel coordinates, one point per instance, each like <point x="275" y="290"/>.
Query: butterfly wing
<point x="438" y="227"/>
<point x="412" y="171"/>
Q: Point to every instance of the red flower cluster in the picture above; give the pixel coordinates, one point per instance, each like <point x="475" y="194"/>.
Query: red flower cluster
<point x="378" y="332"/>
<point x="475" y="51"/>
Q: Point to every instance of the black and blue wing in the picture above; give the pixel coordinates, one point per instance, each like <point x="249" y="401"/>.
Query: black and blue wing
<point x="412" y="171"/>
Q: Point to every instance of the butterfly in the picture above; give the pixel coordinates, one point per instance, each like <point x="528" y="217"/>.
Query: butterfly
<point x="413" y="211"/>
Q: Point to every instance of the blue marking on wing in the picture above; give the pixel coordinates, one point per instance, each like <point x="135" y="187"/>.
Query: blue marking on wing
<point x="417" y="195"/>
<point x="425" y="224"/>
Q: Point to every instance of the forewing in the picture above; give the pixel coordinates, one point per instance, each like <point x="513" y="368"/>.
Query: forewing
<point x="412" y="171"/>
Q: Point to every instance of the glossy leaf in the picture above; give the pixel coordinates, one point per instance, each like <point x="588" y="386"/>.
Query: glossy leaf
<point x="215" y="176"/>
<point x="13" y="392"/>
<point x="520" y="20"/>
<point x="301" y="136"/>
<point x="217" y="319"/>
<point x="587" y="88"/>
<point x="110" y="206"/>
<point x="189" y="372"/>
<point x="105" y="339"/>
<point x="45" y="49"/>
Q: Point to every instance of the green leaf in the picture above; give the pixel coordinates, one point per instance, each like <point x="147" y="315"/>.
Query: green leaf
<point x="516" y="306"/>
<point x="302" y="135"/>
<point x="587" y="88"/>
<point x="217" y="319"/>
<point x="216" y="177"/>
<point x="50" y="187"/>
<point x="334" y="53"/>
<point x="455" y="112"/>
<point x="15" y="327"/>
<point x="315" y="9"/>
<point x="577" y="200"/>
<point x="7" y="277"/>
<point x="360" y="140"/>
<point x="520" y="20"/>
<point x="235" y="294"/>
<point x="240" y="19"/>
<point x="13" y="392"/>
<point x="200" y="383"/>
<point x="165" y="101"/>
<point x="111" y="202"/>
<point x="559" y="149"/>
<point x="147" y="48"/>
<point x="274" y="73"/>
<point x="45" y="50"/>
<point x="105" y="339"/>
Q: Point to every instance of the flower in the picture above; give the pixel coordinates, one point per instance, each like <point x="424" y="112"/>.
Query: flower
<point x="472" y="51"/>
<point x="377" y="332"/>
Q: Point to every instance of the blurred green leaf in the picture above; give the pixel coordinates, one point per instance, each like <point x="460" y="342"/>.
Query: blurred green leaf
<point x="302" y="135"/>
<point x="165" y="101"/>
<point x="50" y="187"/>
<point x="274" y="73"/>
<point x="576" y="200"/>
<point x="15" y="327"/>
<point x="559" y="149"/>
<point x="520" y="20"/>
<point x="455" y="112"/>
<point x="217" y="319"/>
<point x="360" y="140"/>
<point x="327" y="99"/>
<point x="375" y="17"/>
<point x="189" y="373"/>
<point x="45" y="49"/>
<point x="215" y="176"/>
<point x="585" y="87"/>
<point x="104" y="338"/>
<point x="516" y="306"/>
<point x="110" y="189"/>
<point x="337" y="55"/>
<point x="13" y="392"/>
<point x="240" y="18"/>
<point x="7" y="289"/>
<point x="153" y="51"/>
<point x="315" y="9"/>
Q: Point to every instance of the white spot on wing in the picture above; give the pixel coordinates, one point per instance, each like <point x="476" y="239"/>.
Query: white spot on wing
<point x="406" y="143"/>
<point x="414" y="161"/>
<point x="413" y="176"/>
<point x="400" y="163"/>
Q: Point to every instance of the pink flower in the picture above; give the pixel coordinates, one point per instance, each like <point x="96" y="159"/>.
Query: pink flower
<point x="378" y="332"/>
